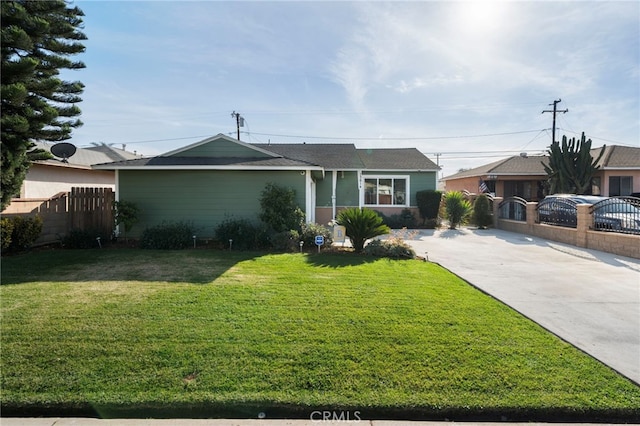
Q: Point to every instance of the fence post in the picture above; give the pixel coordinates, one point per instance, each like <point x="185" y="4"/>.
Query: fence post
<point x="583" y="225"/>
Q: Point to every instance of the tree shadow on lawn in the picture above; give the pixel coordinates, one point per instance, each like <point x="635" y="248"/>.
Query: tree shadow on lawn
<point x="188" y="266"/>
<point x="338" y="260"/>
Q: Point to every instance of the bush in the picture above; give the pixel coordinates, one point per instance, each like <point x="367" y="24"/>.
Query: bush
<point x="286" y="240"/>
<point x="245" y="235"/>
<point x="310" y="230"/>
<point x="168" y="236"/>
<point x="360" y="225"/>
<point x="20" y="233"/>
<point x="428" y="204"/>
<point x="6" y="229"/>
<point x="481" y="214"/>
<point x="405" y="219"/>
<point x="84" y="239"/>
<point x="126" y="214"/>
<point x="457" y="209"/>
<point x="395" y="247"/>
<point x="279" y="210"/>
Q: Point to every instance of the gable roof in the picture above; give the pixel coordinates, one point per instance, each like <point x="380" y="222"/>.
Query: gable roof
<point x="516" y="165"/>
<point x="223" y="152"/>
<point x="618" y="157"/>
<point x="222" y="146"/>
<point x="84" y="157"/>
<point x="615" y="157"/>
<point x="328" y="156"/>
<point x="395" y="159"/>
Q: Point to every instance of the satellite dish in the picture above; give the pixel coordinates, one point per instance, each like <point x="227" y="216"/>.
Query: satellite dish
<point x="63" y="150"/>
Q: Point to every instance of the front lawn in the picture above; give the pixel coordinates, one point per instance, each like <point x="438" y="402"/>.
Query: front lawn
<point x="203" y="333"/>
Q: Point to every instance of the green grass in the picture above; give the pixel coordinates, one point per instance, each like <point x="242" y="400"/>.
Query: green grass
<point x="204" y="333"/>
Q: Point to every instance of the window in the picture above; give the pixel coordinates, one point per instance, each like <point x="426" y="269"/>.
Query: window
<point x="385" y="191"/>
<point x="620" y="185"/>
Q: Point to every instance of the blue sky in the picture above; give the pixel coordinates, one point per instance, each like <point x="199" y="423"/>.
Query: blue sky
<point x="468" y="80"/>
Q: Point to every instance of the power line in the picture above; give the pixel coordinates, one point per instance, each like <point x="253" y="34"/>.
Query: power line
<point x="394" y="138"/>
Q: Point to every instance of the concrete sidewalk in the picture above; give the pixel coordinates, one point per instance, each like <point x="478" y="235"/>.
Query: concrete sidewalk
<point x="589" y="298"/>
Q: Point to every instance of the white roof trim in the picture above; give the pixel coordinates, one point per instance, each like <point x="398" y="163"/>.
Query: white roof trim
<point x="220" y="136"/>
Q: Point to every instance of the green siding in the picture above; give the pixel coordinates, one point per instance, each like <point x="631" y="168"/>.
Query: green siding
<point x="347" y="189"/>
<point x="203" y="197"/>
<point x="222" y="148"/>
<point x="420" y="182"/>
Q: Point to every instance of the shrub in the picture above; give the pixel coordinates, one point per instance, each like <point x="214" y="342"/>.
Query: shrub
<point x="395" y="247"/>
<point x="457" y="209"/>
<point x="83" y="239"/>
<point x="245" y="235"/>
<point x="125" y="213"/>
<point x="360" y="225"/>
<point x="20" y="232"/>
<point x="428" y="203"/>
<point x="481" y="214"/>
<point x="405" y="219"/>
<point x="286" y="240"/>
<point x="310" y="230"/>
<point x="279" y="210"/>
<point x="168" y="236"/>
<point x="6" y="229"/>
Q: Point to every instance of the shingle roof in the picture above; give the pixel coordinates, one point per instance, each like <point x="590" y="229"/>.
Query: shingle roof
<point x="395" y="159"/>
<point x="329" y="156"/>
<point x="162" y="161"/>
<point x="82" y="157"/>
<point x="516" y="165"/>
<point x="617" y="156"/>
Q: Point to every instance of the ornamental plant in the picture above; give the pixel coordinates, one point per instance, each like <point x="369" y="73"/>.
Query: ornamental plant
<point x="481" y="214"/>
<point x="361" y="225"/>
<point x="457" y="209"/>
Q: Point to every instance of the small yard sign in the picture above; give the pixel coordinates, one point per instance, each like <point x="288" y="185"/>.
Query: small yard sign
<point x="339" y="234"/>
<point x="319" y="241"/>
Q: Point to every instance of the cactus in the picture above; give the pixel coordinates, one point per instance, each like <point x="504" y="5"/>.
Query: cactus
<point x="571" y="166"/>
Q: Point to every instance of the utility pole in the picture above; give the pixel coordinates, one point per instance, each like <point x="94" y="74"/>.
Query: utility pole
<point x="554" y="111"/>
<point x="437" y="164"/>
<point x="239" y="121"/>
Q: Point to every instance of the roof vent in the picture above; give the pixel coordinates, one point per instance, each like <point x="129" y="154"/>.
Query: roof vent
<point x="523" y="154"/>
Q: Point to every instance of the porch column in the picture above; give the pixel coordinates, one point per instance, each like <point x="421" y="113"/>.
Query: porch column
<point x="334" y="184"/>
<point x="360" y="189"/>
<point x="310" y="195"/>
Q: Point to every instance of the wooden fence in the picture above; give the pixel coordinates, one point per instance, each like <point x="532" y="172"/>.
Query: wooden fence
<point x="81" y="208"/>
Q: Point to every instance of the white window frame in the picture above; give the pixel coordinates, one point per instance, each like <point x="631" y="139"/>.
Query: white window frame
<point x="378" y="177"/>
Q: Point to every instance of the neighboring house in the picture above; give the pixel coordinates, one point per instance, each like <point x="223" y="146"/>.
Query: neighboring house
<point x="524" y="176"/>
<point x="47" y="178"/>
<point x="221" y="177"/>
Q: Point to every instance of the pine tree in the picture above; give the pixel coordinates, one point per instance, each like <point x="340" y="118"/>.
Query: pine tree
<point x="571" y="166"/>
<point x="37" y="39"/>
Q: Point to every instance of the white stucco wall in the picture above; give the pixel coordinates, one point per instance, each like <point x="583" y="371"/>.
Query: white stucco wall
<point x="45" y="181"/>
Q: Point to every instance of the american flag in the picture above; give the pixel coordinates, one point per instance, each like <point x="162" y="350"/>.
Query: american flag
<point x="483" y="187"/>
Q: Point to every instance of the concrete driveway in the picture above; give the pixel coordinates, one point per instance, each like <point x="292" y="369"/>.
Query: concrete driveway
<point x="588" y="298"/>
